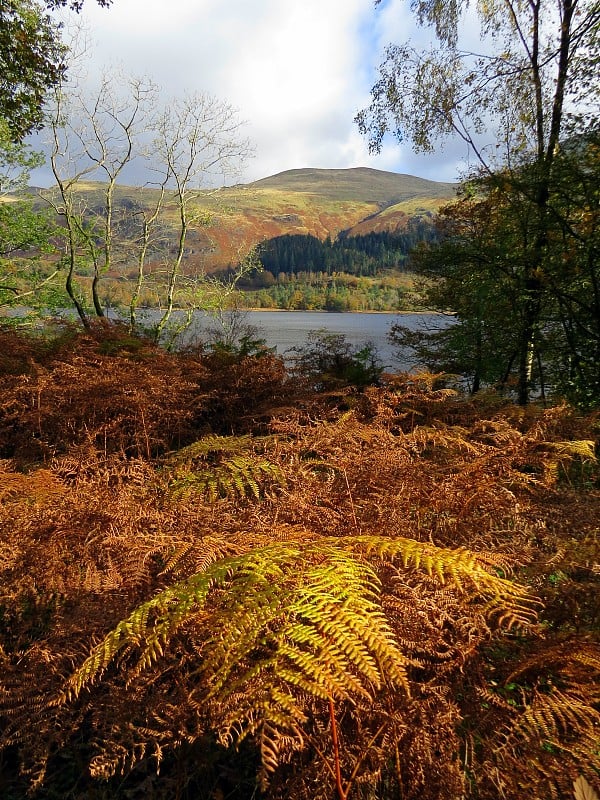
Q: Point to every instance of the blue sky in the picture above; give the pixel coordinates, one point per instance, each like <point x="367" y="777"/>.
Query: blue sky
<point x="297" y="71"/>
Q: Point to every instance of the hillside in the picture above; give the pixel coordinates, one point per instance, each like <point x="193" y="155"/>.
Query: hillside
<point x="320" y="202"/>
<point x="359" y="183"/>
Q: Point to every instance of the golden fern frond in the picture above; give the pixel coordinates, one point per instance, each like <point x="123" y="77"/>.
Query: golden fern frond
<point x="565" y="453"/>
<point x="580" y="448"/>
<point x="307" y="614"/>
<point x="321" y="628"/>
<point x="288" y="621"/>
<point x="295" y="598"/>
<point x="153" y="622"/>
<point x="510" y="603"/>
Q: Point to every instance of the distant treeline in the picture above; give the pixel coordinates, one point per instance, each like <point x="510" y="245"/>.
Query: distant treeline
<point x="341" y="292"/>
<point x="363" y="255"/>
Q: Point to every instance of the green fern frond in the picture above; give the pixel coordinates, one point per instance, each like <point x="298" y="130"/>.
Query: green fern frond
<point x="209" y="446"/>
<point x="223" y="466"/>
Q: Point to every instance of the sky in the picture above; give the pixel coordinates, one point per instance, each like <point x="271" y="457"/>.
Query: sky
<point x="298" y="72"/>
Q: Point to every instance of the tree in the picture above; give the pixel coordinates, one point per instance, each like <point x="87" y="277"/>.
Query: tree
<point x="96" y="134"/>
<point x="32" y="61"/>
<point x="197" y="139"/>
<point x="573" y="279"/>
<point x="25" y="231"/>
<point x="536" y="58"/>
<point x="475" y="270"/>
<point x="74" y="5"/>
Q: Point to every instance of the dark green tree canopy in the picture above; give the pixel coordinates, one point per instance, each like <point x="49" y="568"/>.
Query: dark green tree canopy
<point x="32" y="60"/>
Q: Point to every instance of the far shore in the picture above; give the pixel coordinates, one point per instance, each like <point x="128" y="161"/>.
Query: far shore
<point x="362" y="311"/>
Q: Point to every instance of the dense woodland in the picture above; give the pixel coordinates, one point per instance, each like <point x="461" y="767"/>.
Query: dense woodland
<point x="370" y="272"/>
<point x="364" y="255"/>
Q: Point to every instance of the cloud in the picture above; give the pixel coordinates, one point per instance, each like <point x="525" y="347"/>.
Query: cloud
<point x="297" y="72"/>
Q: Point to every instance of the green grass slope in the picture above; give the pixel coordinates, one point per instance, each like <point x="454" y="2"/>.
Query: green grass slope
<point x="359" y="183"/>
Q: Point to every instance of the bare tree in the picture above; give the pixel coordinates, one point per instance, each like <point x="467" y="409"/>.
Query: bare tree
<point x="111" y="123"/>
<point x="191" y="146"/>
<point x="95" y="134"/>
<point x="198" y="141"/>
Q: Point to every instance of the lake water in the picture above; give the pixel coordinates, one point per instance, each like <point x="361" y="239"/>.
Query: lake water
<point x="286" y="329"/>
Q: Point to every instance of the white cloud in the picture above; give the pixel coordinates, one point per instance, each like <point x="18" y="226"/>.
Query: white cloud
<point x="297" y="71"/>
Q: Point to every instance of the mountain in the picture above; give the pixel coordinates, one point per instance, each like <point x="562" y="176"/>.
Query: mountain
<point x="320" y="202"/>
<point x="358" y="183"/>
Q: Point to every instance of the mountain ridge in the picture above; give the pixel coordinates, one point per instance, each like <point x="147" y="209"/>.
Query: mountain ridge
<point x="365" y="183"/>
<point x="319" y="202"/>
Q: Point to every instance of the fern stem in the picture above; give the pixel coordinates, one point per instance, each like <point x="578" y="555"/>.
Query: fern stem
<point x="341" y="792"/>
<point x="351" y="503"/>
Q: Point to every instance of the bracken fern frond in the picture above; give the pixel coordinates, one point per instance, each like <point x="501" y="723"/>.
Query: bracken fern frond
<point x="292" y="619"/>
<point x="223" y="466"/>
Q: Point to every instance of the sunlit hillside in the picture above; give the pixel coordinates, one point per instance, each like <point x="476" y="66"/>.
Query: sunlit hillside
<point x="229" y="221"/>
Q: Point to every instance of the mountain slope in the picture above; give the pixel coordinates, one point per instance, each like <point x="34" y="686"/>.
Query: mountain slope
<point x="320" y="202"/>
<point x="359" y="184"/>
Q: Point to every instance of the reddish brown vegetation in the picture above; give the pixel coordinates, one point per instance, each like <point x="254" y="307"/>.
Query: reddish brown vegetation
<point x="97" y="516"/>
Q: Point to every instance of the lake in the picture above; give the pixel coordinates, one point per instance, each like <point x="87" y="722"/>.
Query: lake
<point x="286" y="329"/>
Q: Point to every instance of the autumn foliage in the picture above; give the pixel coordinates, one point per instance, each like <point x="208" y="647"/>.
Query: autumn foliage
<point x="216" y="583"/>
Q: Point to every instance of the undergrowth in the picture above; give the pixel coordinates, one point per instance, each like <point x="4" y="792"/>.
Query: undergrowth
<point x="217" y="583"/>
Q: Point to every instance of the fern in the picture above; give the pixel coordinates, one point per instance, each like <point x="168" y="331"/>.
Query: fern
<point x="290" y="620"/>
<point x="510" y="603"/>
<point x="222" y="467"/>
<point x="557" y="718"/>
<point x="564" y="455"/>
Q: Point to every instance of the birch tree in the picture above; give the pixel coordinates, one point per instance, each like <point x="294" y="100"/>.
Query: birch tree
<point x="95" y="134"/>
<point x="512" y="104"/>
<point x="198" y="142"/>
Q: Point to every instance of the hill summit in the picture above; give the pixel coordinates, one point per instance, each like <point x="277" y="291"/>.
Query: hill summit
<point x="357" y="183"/>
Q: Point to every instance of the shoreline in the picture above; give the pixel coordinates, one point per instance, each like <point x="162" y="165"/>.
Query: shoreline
<point x="324" y="311"/>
